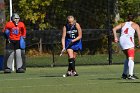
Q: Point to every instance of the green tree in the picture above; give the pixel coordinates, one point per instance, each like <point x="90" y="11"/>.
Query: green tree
<point x="91" y="14"/>
<point x="129" y="6"/>
<point x="36" y="12"/>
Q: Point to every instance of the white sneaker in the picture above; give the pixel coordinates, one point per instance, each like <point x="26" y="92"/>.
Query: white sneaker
<point x="69" y="73"/>
<point x="131" y="77"/>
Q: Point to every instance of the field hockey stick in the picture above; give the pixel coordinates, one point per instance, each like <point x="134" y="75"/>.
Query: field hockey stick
<point x="62" y="52"/>
<point x="65" y="48"/>
<point x="8" y="40"/>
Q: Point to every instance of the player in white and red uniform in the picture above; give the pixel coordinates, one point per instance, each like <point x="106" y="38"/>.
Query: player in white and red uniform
<point x="127" y="36"/>
<point x="127" y="44"/>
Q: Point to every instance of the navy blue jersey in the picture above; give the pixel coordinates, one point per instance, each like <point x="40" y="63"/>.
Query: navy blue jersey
<point x="71" y="31"/>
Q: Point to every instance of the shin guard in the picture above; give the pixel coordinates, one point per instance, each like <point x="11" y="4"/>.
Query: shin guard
<point x="20" y="59"/>
<point x="8" y="59"/>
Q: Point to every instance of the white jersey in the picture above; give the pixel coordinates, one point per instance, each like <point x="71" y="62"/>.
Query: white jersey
<point x="127" y="36"/>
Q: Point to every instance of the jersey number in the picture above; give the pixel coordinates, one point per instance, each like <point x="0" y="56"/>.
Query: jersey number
<point x="72" y="35"/>
<point x="15" y="32"/>
<point x="126" y="31"/>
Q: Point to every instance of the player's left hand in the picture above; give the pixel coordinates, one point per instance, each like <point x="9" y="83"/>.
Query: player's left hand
<point x="72" y="41"/>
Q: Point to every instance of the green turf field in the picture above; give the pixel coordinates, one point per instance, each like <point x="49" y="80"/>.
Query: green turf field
<point x="91" y="79"/>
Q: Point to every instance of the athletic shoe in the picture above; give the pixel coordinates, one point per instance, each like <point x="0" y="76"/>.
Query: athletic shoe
<point x="124" y="76"/>
<point x="135" y="76"/>
<point x="68" y="73"/>
<point x="20" y="70"/>
<point x="74" y="73"/>
<point x="7" y="70"/>
<point x="131" y="77"/>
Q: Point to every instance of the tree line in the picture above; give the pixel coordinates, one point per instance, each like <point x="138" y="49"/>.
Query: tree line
<point x="46" y="14"/>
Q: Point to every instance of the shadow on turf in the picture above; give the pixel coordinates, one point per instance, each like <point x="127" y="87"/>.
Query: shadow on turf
<point x="130" y="82"/>
<point x="51" y="76"/>
<point x="109" y="78"/>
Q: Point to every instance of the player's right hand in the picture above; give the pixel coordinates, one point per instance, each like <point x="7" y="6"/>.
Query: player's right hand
<point x="63" y="50"/>
<point x="116" y="40"/>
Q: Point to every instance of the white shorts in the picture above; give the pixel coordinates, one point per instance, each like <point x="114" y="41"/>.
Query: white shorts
<point x="126" y="42"/>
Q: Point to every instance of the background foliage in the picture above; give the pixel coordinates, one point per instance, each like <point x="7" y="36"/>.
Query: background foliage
<point x="91" y="14"/>
<point x="45" y="14"/>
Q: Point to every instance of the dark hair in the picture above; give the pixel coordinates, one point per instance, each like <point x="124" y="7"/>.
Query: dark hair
<point x="130" y="17"/>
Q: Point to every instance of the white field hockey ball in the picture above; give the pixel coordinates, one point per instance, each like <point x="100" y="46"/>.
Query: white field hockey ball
<point x="64" y="75"/>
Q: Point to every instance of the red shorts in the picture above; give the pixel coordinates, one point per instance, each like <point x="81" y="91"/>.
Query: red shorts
<point x="131" y="52"/>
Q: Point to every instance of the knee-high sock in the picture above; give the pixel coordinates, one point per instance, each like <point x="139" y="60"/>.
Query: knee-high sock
<point x="74" y="65"/>
<point x="131" y="67"/>
<point x="125" y="69"/>
<point x="71" y="64"/>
